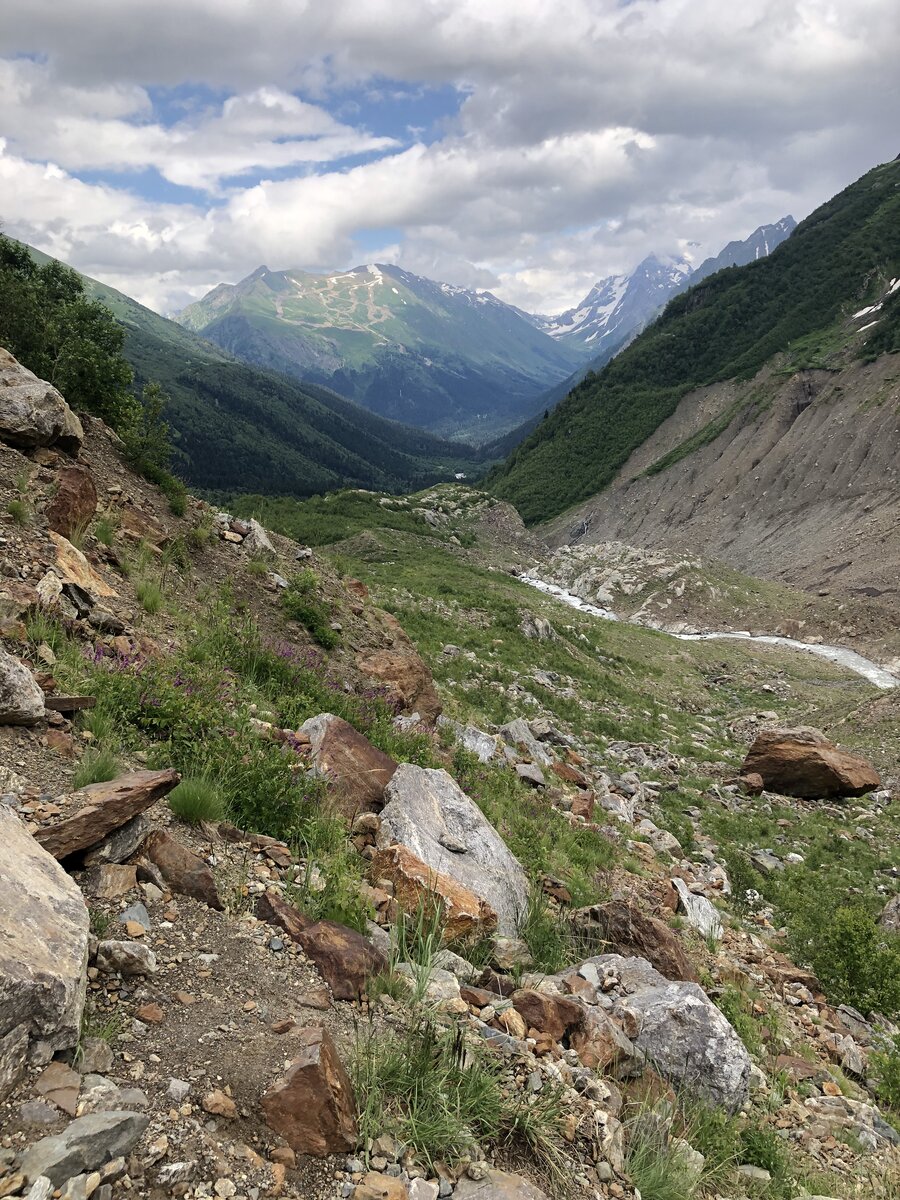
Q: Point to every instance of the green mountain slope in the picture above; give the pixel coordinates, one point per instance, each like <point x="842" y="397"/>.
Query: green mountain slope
<point x="837" y="260"/>
<point x="239" y="428"/>
<point x="456" y="362"/>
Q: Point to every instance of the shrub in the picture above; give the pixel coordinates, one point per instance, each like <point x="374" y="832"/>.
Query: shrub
<point x="19" y="511"/>
<point x="197" y="799"/>
<point x="301" y="604"/>
<point x="885" y="1064"/>
<point x="98" y="765"/>
<point x="105" y="528"/>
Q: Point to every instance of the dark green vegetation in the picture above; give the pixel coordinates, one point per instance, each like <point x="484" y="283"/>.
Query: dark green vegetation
<point x="836" y="261"/>
<point x="458" y="363"/>
<point x="50" y="324"/>
<point x="240" y="428"/>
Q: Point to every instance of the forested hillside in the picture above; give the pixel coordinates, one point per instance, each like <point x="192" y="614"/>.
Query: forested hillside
<point x="837" y="261"/>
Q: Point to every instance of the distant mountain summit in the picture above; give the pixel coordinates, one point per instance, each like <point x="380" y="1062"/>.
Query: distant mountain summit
<point x="436" y="356"/>
<point x="617" y="308"/>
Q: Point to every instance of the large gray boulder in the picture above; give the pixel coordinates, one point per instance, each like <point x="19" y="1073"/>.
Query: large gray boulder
<point x="427" y="812"/>
<point x="32" y="411"/>
<point x="674" y="1025"/>
<point x="43" y="952"/>
<point x="85" y="1145"/>
<point x="21" y="700"/>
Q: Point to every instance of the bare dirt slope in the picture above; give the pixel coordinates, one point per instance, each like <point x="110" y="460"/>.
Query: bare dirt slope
<point x="802" y="486"/>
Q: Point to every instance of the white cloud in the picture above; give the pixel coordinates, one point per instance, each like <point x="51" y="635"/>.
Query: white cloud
<point x="590" y="132"/>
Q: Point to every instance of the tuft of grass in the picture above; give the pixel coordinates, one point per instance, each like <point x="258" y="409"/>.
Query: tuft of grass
<point x="149" y="594"/>
<point x="19" y="511"/>
<point x="196" y="799"/>
<point x="302" y="604"/>
<point x="658" y="1169"/>
<point x="548" y="938"/>
<point x="98" y="765"/>
<point x="256" y="566"/>
<point x="105" y="528"/>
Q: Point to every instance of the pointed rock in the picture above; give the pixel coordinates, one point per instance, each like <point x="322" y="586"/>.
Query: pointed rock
<point x="185" y="872"/>
<point x="85" y="1145"/>
<point x="357" y="772"/>
<point x="312" y="1105"/>
<point x="345" y="959"/>
<point x="105" y="807"/>
<point x="74" y="502"/>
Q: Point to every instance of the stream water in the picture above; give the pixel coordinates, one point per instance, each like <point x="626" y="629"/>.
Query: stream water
<point x="836" y="654"/>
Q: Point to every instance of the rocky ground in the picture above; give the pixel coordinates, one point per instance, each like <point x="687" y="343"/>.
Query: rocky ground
<point x="494" y="954"/>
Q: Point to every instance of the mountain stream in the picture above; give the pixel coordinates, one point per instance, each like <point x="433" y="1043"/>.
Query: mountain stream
<point x="836" y="654"/>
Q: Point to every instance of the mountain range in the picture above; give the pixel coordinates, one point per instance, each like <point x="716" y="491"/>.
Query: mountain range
<point x="455" y="362"/>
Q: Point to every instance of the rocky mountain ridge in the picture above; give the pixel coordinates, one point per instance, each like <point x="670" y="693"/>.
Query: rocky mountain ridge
<point x="259" y="890"/>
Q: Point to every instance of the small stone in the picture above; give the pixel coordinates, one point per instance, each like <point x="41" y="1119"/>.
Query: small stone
<point x="178" y="1089"/>
<point x="126" y="958"/>
<point x="220" y="1105"/>
<point x="151" y="1013"/>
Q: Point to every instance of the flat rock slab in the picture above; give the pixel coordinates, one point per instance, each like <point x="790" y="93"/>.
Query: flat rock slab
<point x="356" y="771"/>
<point x="428" y="812"/>
<point x="105" y="807"/>
<point x="312" y="1105"/>
<point x="43" y="950"/>
<point x="802" y="762"/>
<point x="498" y="1185"/>
<point x="86" y="1145"/>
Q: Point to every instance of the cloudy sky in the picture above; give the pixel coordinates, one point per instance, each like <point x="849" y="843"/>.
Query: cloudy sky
<point x="527" y="146"/>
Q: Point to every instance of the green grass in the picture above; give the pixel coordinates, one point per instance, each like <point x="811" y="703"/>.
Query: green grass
<point x="97" y="765"/>
<point x="301" y="603"/>
<point x="197" y="798"/>
<point x="105" y="529"/>
<point x="19" y="511"/>
<point x="150" y="595"/>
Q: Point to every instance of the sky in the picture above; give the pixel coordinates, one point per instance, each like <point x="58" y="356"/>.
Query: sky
<point x="525" y="146"/>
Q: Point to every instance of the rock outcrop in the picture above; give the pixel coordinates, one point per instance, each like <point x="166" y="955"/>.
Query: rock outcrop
<point x="401" y="671"/>
<point x="43" y="952"/>
<point x="804" y="763"/>
<point x="428" y="812"/>
<point x="32" y="412"/>
<point x="74" y="503"/>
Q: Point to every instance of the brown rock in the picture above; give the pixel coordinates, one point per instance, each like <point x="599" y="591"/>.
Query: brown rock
<point x="379" y="1187"/>
<point x="345" y="959"/>
<point x="73" y="567"/>
<point x="751" y="784"/>
<point x="556" y="1016"/>
<point x="418" y="888"/>
<point x="60" y="1085"/>
<point x="106" y="806"/>
<point x="804" y="763"/>
<point x="312" y="1105"/>
<point x="601" y="1044"/>
<point x="498" y="1185"/>
<point x="403" y="673"/>
<point x="141" y="526"/>
<point x="109" y="881"/>
<point x="274" y="911"/>
<point x="626" y="930"/>
<point x="74" y="503"/>
<point x="220" y="1105"/>
<point x="150" y="1013"/>
<point x="357" y="772"/>
<point x="60" y="741"/>
<point x="185" y="872"/>
<point x="568" y="774"/>
<point x="583" y="806"/>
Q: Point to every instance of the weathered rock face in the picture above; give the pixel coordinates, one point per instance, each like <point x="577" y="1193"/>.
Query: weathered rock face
<point x="628" y="931"/>
<point x="497" y="1185"/>
<point x="415" y="884"/>
<point x="403" y="672"/>
<point x="74" y="503"/>
<point x="85" y="1145"/>
<point x="804" y="763"/>
<point x="357" y="771"/>
<point x="274" y="911"/>
<point x="73" y="567"/>
<point x="106" y="806"/>
<point x="312" y="1104"/>
<point x="183" y="870"/>
<point x="556" y="1016"/>
<point x="43" y="952"/>
<point x="345" y="959"/>
<point x="890" y="915"/>
<point x="32" y="412"/>
<point x="428" y="813"/>
<point x="700" y="913"/>
<point x="21" y="700"/>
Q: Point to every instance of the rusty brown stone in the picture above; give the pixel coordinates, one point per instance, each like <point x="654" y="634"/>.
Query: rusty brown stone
<point x="60" y="741"/>
<point x="274" y="911"/>
<point x="104" y="807"/>
<point x="568" y="774"/>
<point x="804" y="763"/>
<point x="74" y="502"/>
<point x="555" y="1016"/>
<point x="402" y="671"/>
<point x="375" y="1186"/>
<point x="345" y="959"/>
<point x="184" y="872"/>
<point x="626" y="930"/>
<point x="356" y="771"/>
<point x="418" y="888"/>
<point x="583" y="806"/>
<point x="108" y="881"/>
<point x="312" y="1105"/>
